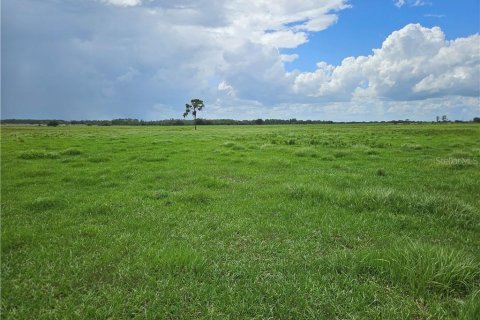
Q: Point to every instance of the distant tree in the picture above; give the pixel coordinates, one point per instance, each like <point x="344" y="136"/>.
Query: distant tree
<point x="476" y="119"/>
<point x="444" y="118"/>
<point x="438" y="119"/>
<point x="53" y="123"/>
<point x="196" y="105"/>
<point x="259" y="121"/>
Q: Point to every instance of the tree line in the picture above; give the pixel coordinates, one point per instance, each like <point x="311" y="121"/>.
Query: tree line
<point x="199" y="121"/>
<point x="167" y="122"/>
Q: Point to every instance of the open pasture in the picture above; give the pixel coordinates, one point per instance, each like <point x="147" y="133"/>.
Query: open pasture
<point x="241" y="222"/>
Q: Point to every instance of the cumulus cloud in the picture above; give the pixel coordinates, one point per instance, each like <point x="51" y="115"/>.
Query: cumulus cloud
<point x="413" y="63"/>
<point x="415" y="72"/>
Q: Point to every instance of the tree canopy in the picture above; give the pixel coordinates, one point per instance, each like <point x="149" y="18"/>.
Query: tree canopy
<point x="196" y="105"/>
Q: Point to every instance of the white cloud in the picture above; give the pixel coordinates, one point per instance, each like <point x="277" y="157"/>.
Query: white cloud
<point x="413" y="63"/>
<point x="411" y="3"/>
<point x="434" y="15"/>
<point x="283" y="23"/>
<point x="319" y="23"/>
<point x="284" y="39"/>
<point x="123" y="3"/>
<point x="308" y="83"/>
<point x="226" y="88"/>
<point x="415" y="72"/>
<point x="419" y="3"/>
<point x="289" y="57"/>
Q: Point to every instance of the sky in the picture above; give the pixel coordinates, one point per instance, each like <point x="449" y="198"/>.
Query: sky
<point x="340" y="60"/>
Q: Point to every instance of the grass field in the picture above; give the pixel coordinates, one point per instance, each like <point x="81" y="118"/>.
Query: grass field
<point x="254" y="222"/>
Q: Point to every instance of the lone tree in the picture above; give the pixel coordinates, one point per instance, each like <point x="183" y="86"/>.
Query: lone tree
<point x="196" y="105"/>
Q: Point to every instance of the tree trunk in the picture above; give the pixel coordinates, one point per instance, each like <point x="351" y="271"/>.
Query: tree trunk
<point x="195" y="122"/>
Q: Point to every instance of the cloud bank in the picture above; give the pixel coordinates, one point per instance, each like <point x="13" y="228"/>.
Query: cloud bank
<point x="145" y="59"/>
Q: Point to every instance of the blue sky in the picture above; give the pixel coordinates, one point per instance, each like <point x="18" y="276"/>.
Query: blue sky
<point x="368" y="23"/>
<point x="332" y="59"/>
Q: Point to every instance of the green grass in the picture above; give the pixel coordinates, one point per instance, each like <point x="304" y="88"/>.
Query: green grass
<point x="233" y="222"/>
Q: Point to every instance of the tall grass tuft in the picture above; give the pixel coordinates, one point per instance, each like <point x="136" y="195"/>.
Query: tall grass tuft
<point x="471" y="309"/>
<point x="448" y="209"/>
<point x="177" y="260"/>
<point x="71" y="152"/>
<point x="98" y="159"/>
<point x="33" y="155"/>
<point x="425" y="269"/>
<point x="342" y="153"/>
<point x="306" y="152"/>
<point x="290" y="141"/>
<point x="213" y="182"/>
<point x="45" y="203"/>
